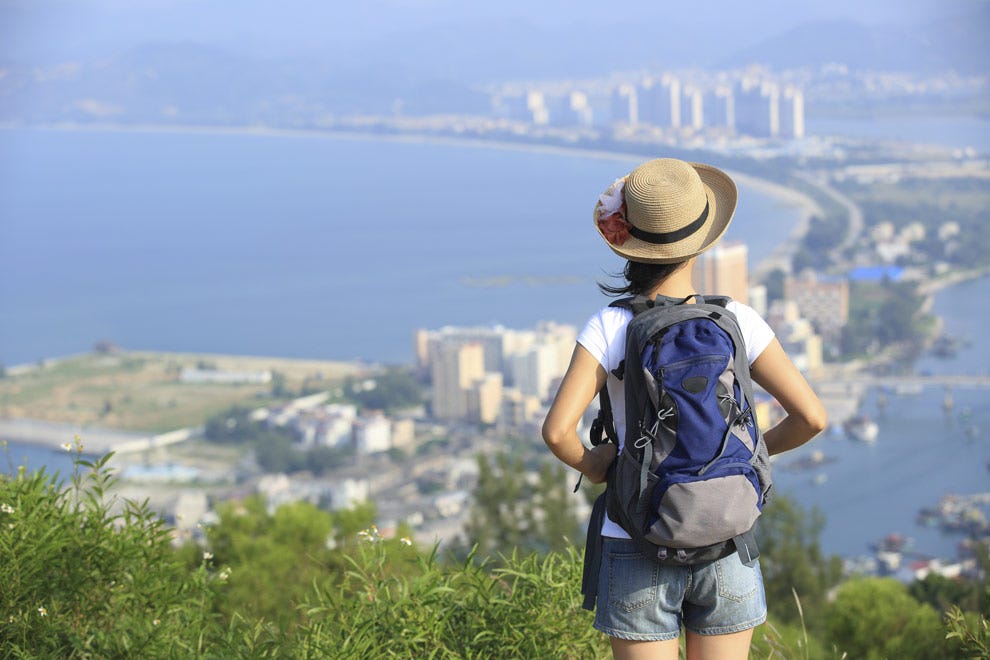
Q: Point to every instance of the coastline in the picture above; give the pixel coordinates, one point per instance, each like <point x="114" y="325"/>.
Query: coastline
<point x="786" y="196"/>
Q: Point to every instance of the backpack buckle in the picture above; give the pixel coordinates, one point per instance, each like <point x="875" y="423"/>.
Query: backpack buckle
<point x="597" y="429"/>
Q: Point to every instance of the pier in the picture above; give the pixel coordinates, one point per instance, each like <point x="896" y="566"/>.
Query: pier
<point x="903" y="383"/>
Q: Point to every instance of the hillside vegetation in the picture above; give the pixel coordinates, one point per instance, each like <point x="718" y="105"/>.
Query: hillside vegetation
<point x="85" y="575"/>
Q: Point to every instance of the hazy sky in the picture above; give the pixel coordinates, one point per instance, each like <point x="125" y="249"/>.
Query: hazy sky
<point x="53" y="30"/>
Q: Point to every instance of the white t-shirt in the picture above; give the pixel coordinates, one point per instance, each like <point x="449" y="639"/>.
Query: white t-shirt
<point x="604" y="336"/>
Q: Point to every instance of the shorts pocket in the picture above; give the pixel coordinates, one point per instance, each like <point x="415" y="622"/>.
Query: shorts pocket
<point x="736" y="581"/>
<point x="633" y="580"/>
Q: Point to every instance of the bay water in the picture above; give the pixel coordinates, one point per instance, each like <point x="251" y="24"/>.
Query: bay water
<point x="329" y="247"/>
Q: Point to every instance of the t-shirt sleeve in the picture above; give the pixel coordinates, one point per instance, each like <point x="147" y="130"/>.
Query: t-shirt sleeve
<point x="756" y="331"/>
<point x="592" y="338"/>
<point x="604" y="336"/>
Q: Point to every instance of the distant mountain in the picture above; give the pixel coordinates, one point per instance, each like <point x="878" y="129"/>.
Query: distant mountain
<point x="441" y="66"/>
<point x="958" y="43"/>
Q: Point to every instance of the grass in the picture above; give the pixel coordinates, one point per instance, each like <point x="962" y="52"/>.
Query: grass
<point x="137" y="391"/>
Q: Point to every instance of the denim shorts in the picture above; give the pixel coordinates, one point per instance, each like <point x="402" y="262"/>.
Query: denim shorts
<point x="641" y="599"/>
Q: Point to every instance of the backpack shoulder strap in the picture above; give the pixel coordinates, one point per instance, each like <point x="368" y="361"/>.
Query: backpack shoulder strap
<point x="635" y="304"/>
<point x="721" y="301"/>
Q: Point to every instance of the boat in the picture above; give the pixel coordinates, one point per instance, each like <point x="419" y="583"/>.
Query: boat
<point x="908" y="389"/>
<point x="861" y="428"/>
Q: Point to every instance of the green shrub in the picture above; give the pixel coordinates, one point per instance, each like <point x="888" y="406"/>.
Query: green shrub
<point x="874" y="618"/>
<point x="529" y="608"/>
<point x="82" y="574"/>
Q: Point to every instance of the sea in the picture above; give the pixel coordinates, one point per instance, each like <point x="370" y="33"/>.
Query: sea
<point x="340" y="247"/>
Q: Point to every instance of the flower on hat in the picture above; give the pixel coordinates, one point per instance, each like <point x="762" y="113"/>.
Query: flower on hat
<point x="615" y="228"/>
<point x="612" y="213"/>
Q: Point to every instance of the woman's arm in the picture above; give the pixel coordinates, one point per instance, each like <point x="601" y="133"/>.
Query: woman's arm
<point x="584" y="378"/>
<point x="806" y="418"/>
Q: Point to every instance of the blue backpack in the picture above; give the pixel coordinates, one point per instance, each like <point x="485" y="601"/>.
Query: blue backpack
<point x="693" y="473"/>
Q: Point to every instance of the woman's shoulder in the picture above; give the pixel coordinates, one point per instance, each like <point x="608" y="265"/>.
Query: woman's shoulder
<point x="613" y="315"/>
<point x="743" y="312"/>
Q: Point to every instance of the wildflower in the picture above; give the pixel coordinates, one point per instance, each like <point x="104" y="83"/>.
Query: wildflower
<point x="67" y="446"/>
<point x="224" y="574"/>
<point x="207" y="556"/>
<point x="405" y="540"/>
<point x="42" y="611"/>
<point x="6" y="508"/>
<point x="156" y="622"/>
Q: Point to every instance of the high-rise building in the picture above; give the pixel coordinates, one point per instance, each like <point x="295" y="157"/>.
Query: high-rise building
<point x="720" y="108"/>
<point x="723" y="271"/>
<point x="823" y="301"/>
<point x="484" y="399"/>
<point x="456" y="367"/>
<point x="757" y="107"/>
<point x="579" y="112"/>
<point x="625" y="105"/>
<point x="693" y="108"/>
<point x="660" y="102"/>
<point x="536" y="104"/>
<point x="495" y="342"/>
<point x="470" y="366"/>
<point x="792" y="113"/>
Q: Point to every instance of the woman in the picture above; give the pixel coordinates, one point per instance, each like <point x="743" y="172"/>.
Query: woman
<point x="660" y="218"/>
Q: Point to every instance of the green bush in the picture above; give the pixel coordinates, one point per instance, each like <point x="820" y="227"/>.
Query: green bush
<point x="83" y="574"/>
<point x="529" y="608"/>
<point x="875" y="618"/>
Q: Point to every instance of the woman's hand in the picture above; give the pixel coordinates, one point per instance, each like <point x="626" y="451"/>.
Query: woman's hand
<point x="806" y="416"/>
<point x="597" y="461"/>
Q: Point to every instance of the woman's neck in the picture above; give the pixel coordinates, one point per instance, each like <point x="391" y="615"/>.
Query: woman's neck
<point x="676" y="285"/>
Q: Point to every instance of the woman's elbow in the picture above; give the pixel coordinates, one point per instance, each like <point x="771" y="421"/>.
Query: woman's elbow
<point x="552" y="433"/>
<point x="816" y="420"/>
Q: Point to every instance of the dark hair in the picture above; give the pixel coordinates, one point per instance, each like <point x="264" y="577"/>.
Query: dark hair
<point x="640" y="278"/>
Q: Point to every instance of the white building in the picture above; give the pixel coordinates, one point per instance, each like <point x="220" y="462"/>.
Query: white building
<point x="347" y="493"/>
<point x="372" y="434"/>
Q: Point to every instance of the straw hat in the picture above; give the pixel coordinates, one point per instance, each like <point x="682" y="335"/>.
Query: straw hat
<point x="670" y="211"/>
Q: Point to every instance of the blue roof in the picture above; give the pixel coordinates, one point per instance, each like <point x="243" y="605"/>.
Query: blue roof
<point x="876" y="273"/>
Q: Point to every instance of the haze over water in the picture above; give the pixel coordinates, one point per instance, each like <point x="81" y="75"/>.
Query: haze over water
<point x="297" y="246"/>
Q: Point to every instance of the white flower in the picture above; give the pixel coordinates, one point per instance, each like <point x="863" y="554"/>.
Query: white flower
<point x="611" y="200"/>
<point x="67" y="446"/>
<point x="42" y="611"/>
<point x="156" y="622"/>
<point x="405" y="541"/>
<point x="207" y="556"/>
<point x="6" y="508"/>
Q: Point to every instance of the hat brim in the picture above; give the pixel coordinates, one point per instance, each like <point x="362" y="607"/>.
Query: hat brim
<point x="722" y="196"/>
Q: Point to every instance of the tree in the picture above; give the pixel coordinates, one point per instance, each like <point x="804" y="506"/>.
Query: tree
<point x="85" y="575"/>
<point x="392" y="390"/>
<point x="276" y="558"/>
<point x="511" y="511"/>
<point x="875" y="618"/>
<point x="792" y="560"/>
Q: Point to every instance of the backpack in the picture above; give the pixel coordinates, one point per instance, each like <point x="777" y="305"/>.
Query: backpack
<point x="693" y="473"/>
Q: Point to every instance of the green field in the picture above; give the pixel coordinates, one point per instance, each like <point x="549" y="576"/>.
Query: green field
<point x="142" y="391"/>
